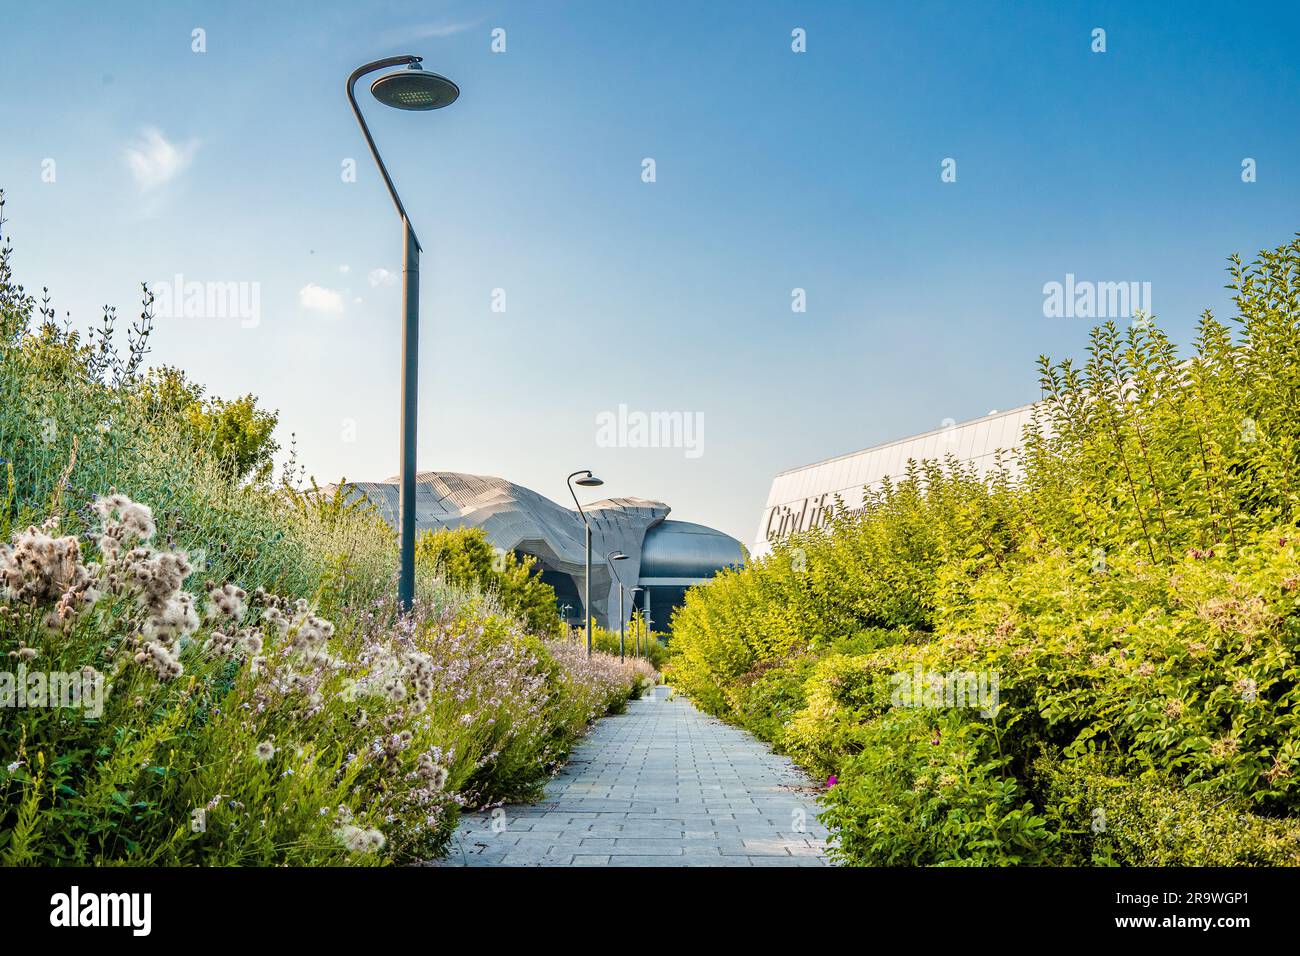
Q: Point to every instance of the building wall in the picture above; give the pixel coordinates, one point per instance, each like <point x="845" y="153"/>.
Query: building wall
<point x="803" y="498"/>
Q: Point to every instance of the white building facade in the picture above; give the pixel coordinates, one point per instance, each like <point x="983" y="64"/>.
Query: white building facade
<point x="804" y="498"/>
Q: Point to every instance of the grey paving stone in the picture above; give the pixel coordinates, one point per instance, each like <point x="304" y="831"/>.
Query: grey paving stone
<point x="662" y="785"/>
<point x="656" y="847"/>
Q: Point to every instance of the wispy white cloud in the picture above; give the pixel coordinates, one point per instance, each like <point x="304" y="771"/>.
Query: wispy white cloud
<point x="430" y="31"/>
<point x="316" y="298"/>
<point x="154" y="160"/>
<point x="380" y="277"/>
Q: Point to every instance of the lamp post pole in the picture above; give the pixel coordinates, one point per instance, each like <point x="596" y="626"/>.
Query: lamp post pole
<point x="413" y="89"/>
<point x="610" y="558"/>
<point x="587" y="481"/>
<point x="636" y="634"/>
<point x="410" y="385"/>
<point x="649" y="625"/>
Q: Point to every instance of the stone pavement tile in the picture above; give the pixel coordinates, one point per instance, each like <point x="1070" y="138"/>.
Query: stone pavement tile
<point x="766" y="846"/>
<point x="739" y="849"/>
<point x="549" y="824"/>
<point x="644" y="846"/>
<point x="805" y="850"/>
<point x="551" y="857"/>
<point x="784" y="861"/>
<point x="662" y="785"/>
<point x="604" y="830"/>
<point x="701" y="849"/>
<point x="644" y="861"/>
<point x="653" y="824"/>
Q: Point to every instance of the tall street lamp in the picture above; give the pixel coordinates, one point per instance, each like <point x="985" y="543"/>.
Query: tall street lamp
<point x="610" y="559"/>
<point x="588" y="481"/>
<point x="409" y="89"/>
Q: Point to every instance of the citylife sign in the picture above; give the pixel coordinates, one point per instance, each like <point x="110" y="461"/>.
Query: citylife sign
<point x="792" y="517"/>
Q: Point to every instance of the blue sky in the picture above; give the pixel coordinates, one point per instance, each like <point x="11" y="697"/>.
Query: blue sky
<point x="775" y="170"/>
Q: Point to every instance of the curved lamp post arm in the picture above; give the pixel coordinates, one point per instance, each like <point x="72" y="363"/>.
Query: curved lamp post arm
<point x="404" y="60"/>
<point x="569" y="482"/>
<point x="613" y="569"/>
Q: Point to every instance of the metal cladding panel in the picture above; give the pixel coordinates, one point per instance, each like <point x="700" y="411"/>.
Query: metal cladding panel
<point x="839" y="475"/>
<point x="891" y="462"/>
<point x="965" y="444"/>
<point x="1002" y="437"/>
<point x="857" y="473"/>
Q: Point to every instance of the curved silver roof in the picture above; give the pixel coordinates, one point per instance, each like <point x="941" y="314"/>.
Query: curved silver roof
<point x="516" y="518"/>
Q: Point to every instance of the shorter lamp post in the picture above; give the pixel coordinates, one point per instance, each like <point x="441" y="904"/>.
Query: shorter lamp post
<point x="637" y="634"/>
<point x="622" y="619"/>
<point x="649" y="626"/>
<point x="587" y="481"/>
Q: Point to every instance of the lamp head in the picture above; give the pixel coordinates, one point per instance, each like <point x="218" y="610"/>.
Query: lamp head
<point x="590" y="481"/>
<point x="414" y="89"/>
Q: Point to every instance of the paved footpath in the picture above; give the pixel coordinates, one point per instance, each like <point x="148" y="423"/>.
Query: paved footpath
<point x="662" y="785"/>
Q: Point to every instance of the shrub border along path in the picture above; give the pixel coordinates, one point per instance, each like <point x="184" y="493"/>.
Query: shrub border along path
<point x="662" y="785"/>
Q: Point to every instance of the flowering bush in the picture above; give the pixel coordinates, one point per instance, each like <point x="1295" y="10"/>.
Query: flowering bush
<point x="251" y="730"/>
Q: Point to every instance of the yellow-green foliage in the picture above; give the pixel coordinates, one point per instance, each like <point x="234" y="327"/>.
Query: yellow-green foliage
<point x="634" y="642"/>
<point x="1108" y="819"/>
<point x="843" y="694"/>
<point x="464" y="557"/>
<point x="1134" y="591"/>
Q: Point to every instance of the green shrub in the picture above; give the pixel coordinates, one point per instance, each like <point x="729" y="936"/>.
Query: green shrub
<point x="930" y="789"/>
<point x="465" y="557"/>
<point x="1110" y="819"/>
<point x="1133" y="587"/>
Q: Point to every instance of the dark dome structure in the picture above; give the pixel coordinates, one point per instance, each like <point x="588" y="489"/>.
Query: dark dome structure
<point x="683" y="550"/>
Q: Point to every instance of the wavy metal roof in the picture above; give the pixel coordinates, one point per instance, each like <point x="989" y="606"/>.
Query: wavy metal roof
<point x="516" y="518"/>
